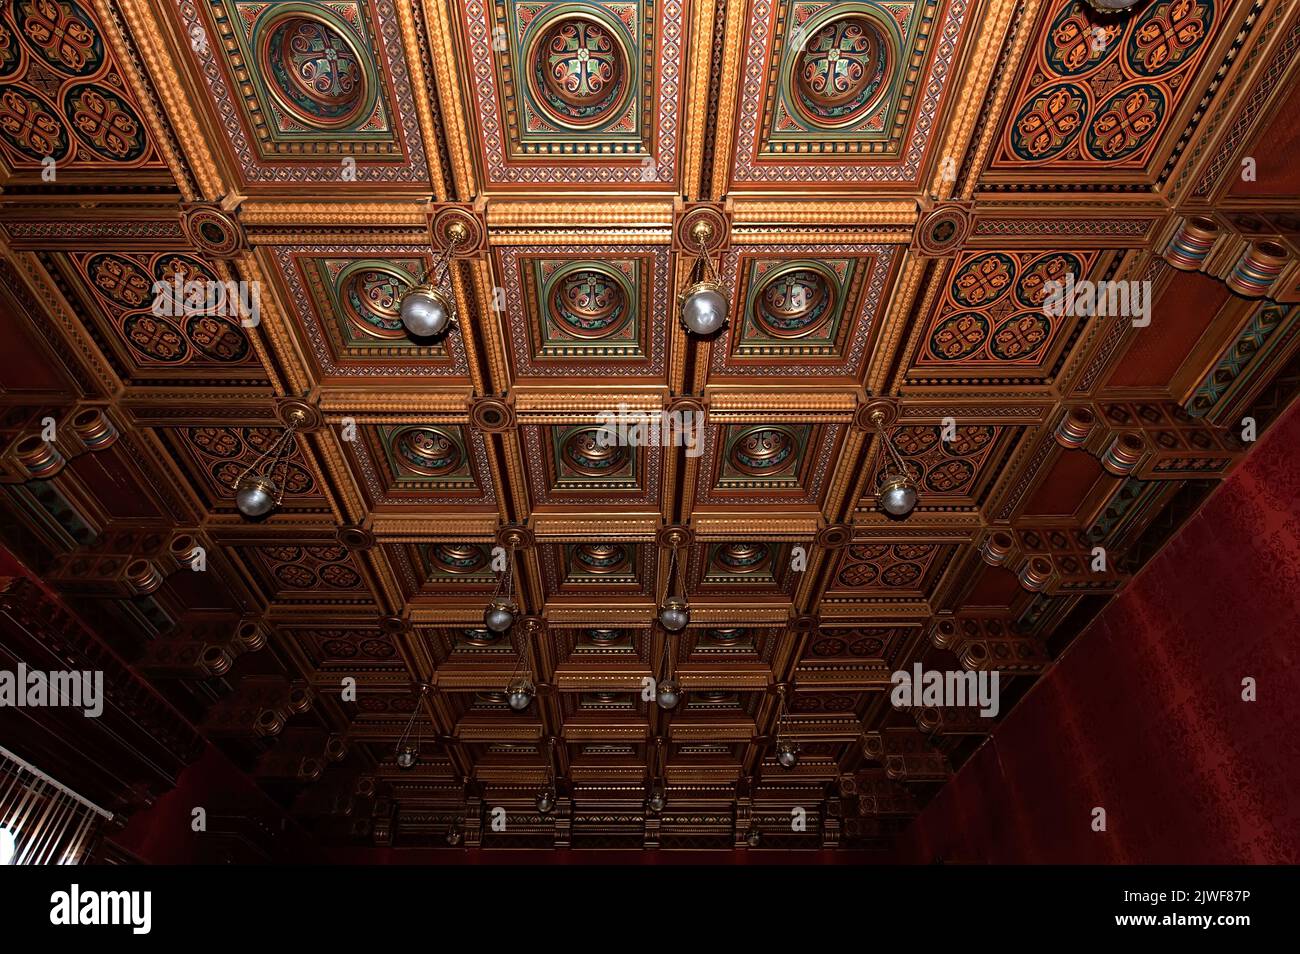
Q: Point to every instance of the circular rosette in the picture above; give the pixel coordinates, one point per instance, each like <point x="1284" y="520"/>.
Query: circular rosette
<point x="840" y="72"/>
<point x="580" y="71"/>
<point x="314" y="68"/>
<point x="602" y="559"/>
<point x="763" y="451"/>
<point x="588" y="301"/>
<point x="460" y="559"/>
<point x="585" y="454"/>
<point x="742" y="558"/>
<point x="370" y="294"/>
<point x="428" y="451"/>
<point x="794" y="301"/>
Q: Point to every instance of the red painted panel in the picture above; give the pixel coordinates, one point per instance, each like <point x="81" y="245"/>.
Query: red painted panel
<point x="1180" y="316"/>
<point x="1144" y="716"/>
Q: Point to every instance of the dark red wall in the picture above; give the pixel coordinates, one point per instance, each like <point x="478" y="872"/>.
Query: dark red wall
<point x="1143" y="716"/>
<point x="261" y="831"/>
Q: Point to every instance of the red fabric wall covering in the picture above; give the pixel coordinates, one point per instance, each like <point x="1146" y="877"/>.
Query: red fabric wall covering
<point x="1143" y="716"/>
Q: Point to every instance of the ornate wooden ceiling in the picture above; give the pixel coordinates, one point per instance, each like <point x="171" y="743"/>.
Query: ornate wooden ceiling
<point x="896" y="184"/>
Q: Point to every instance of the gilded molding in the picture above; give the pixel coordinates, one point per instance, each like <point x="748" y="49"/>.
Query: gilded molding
<point x="445" y="52"/>
<point x="169" y="78"/>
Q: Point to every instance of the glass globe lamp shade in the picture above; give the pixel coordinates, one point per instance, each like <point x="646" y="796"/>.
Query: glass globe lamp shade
<point x="667" y="694"/>
<point x="898" y="495"/>
<point x="657" y="799"/>
<point x="499" y="615"/>
<point x="703" y="307"/>
<point x="674" y="614"/>
<point x="407" y="754"/>
<point x="426" y="311"/>
<point x="787" y="754"/>
<point x="520" y="693"/>
<point x="255" y="496"/>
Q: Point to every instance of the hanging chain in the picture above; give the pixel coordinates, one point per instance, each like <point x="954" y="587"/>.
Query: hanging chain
<point x="279" y="454"/>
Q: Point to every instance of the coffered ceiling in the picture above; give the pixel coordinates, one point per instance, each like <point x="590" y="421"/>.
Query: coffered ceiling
<point x="894" y="185"/>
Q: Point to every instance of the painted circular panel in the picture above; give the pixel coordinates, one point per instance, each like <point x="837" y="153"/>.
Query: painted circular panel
<point x="340" y="577"/>
<point x="1127" y="122"/>
<point x="916" y="439"/>
<point x="315" y="70"/>
<point x="457" y="558"/>
<point x="178" y="293"/>
<point x="901" y="574"/>
<point x="742" y="557"/>
<point x="292" y="478"/>
<point x="581" y="74"/>
<point x="1050" y="122"/>
<point x="155" y="338"/>
<point x="794" y="302"/>
<point x="1031" y="290"/>
<point x="949" y="476"/>
<point x="284" y="554"/>
<point x="841" y="72"/>
<point x="120" y="280"/>
<point x="983" y="280"/>
<point x="220" y="442"/>
<point x="1020" y="337"/>
<point x="867" y="646"/>
<point x="1075" y="44"/>
<point x="959" y="336"/>
<point x="583" y="452"/>
<point x="339" y="649"/>
<point x="763" y="451"/>
<point x="11" y="51"/>
<point x="217" y="339"/>
<point x="170" y="267"/>
<point x="859" y="574"/>
<point x="105" y="124"/>
<point x="428" y="451"/>
<point x="371" y="295"/>
<point x="868" y="551"/>
<point x="62" y="33"/>
<point x="602" y="559"/>
<point x="376" y="648"/>
<point x="327" y="554"/>
<point x="1168" y="34"/>
<point x="31" y="125"/>
<point x="295" y="577"/>
<point x="262" y="439"/>
<point x="912" y="551"/>
<point x="968" y="440"/>
<point x="588" y="302"/>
